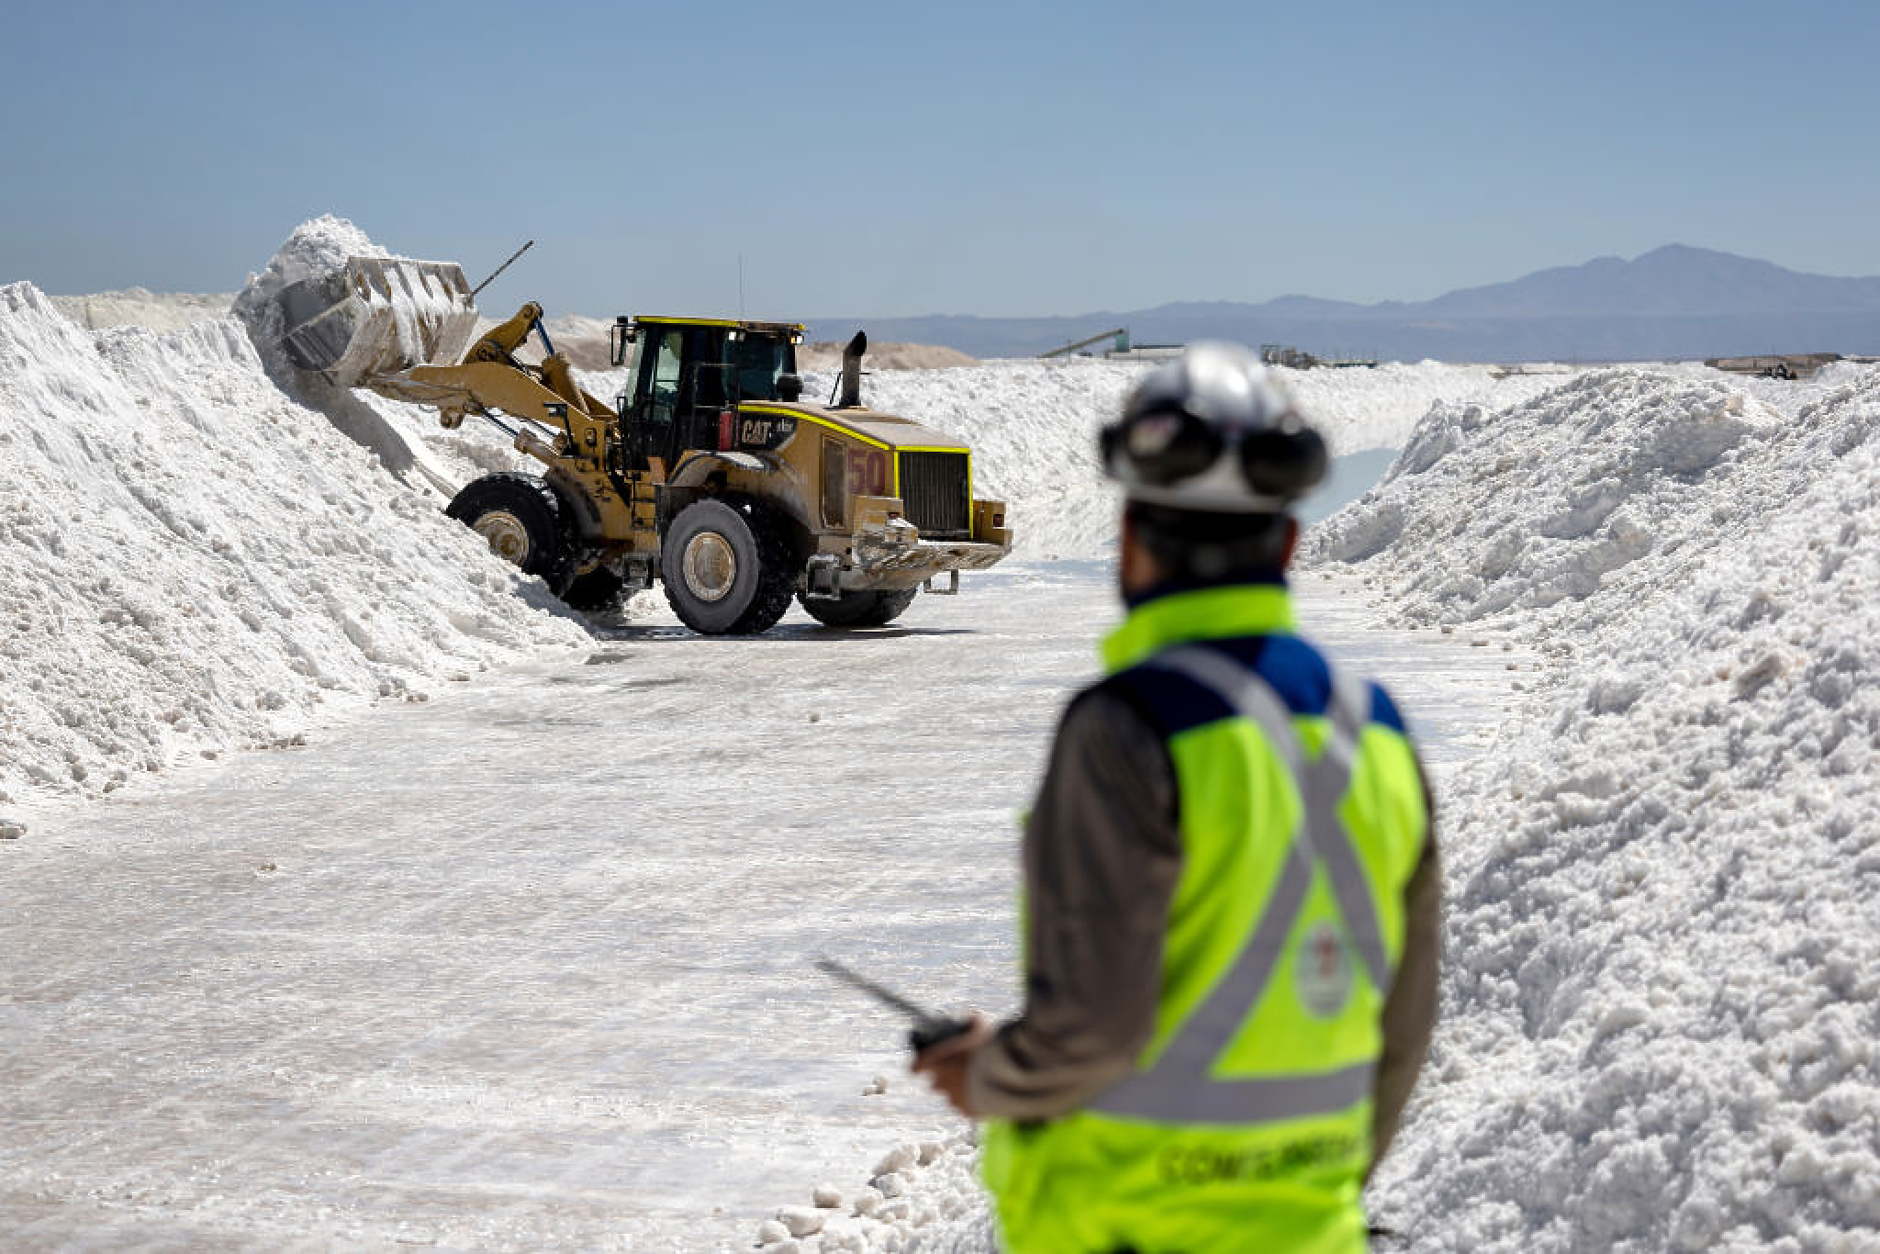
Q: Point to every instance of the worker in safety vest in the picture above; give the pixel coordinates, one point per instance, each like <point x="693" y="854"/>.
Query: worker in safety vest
<point x="1232" y="895"/>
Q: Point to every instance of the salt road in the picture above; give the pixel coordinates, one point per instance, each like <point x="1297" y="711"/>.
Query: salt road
<point x="529" y="963"/>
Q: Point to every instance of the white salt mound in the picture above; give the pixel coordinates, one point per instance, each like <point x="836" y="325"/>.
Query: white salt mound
<point x="1583" y="505"/>
<point x="137" y="307"/>
<point x="194" y="563"/>
<point x="1663" y="985"/>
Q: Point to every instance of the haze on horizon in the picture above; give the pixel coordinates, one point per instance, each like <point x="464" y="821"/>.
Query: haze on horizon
<point x="840" y="158"/>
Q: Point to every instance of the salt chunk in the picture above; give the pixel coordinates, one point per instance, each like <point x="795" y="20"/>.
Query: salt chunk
<point x="843" y="1236"/>
<point x="930" y="1150"/>
<point x="802" y="1221"/>
<point x="827" y="1196"/>
<point x="900" y="1158"/>
<point x="891" y="1184"/>
<point x="771" y="1231"/>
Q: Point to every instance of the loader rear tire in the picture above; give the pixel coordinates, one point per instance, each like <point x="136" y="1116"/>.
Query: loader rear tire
<point x="727" y="566"/>
<point x="860" y="609"/>
<point x="521" y="517"/>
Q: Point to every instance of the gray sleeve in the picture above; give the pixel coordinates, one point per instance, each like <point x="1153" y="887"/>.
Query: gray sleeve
<point x="1102" y="855"/>
<point x="1410" y="1009"/>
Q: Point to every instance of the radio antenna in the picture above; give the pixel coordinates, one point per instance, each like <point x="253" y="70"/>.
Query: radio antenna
<point x="499" y="269"/>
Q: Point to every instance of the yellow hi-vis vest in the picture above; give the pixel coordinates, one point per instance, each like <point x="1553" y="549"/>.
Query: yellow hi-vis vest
<point x="1246" y="1125"/>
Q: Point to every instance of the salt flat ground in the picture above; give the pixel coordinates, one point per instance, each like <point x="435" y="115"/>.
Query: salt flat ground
<point x="530" y="963"/>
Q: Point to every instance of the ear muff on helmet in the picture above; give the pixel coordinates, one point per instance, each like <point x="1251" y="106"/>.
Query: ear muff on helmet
<point x="1284" y="463"/>
<point x="1163" y="445"/>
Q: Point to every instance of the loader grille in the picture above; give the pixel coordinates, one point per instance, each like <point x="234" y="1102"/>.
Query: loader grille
<point x="936" y="493"/>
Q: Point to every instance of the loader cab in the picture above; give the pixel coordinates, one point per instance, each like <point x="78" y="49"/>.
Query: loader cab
<point x="687" y="372"/>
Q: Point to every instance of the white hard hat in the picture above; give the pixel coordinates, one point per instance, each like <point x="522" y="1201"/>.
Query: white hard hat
<point x="1213" y="432"/>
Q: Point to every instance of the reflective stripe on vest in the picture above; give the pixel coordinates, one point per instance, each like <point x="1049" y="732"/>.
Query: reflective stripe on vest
<point x="1178" y="1088"/>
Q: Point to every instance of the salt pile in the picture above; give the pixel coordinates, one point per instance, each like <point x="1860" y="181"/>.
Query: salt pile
<point x="1663" y="990"/>
<point x="1378" y="407"/>
<point x="1571" y="510"/>
<point x="922" y="1196"/>
<point x="195" y="563"/>
<point x="1549" y="501"/>
<point x="138" y="307"/>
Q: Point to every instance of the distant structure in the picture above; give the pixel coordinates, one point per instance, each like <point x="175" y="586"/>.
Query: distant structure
<point x="1119" y="334"/>
<point x="1774" y="365"/>
<point x="1299" y="359"/>
<point x="1271" y="354"/>
<point x="1522" y="369"/>
<point x="1119" y="347"/>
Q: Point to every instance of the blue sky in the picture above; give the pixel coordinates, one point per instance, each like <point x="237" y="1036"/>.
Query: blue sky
<point x="884" y="159"/>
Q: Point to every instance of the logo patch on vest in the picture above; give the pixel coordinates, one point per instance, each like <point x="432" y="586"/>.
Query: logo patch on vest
<point x="1323" y="971"/>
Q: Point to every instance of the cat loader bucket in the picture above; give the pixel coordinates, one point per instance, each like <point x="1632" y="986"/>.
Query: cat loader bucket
<point x="377" y="315"/>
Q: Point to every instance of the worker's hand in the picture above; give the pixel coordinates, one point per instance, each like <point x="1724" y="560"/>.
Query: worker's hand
<point x="945" y="1064"/>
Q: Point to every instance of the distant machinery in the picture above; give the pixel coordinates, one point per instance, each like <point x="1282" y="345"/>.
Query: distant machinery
<point x="1774" y="365"/>
<point x="1522" y="369"/>
<point x="1299" y="359"/>
<point x="1271" y="354"/>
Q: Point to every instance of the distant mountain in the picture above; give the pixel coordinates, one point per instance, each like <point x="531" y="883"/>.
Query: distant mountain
<point x="1673" y="281"/>
<point x="1672" y="302"/>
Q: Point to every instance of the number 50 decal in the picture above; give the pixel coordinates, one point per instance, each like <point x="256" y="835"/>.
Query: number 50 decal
<point x="868" y="472"/>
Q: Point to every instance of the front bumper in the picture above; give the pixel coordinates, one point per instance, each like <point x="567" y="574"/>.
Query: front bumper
<point x="888" y="553"/>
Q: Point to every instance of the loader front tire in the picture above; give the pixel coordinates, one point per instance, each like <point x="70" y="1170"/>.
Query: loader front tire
<point x="860" y="609"/>
<point x="521" y="518"/>
<point x="727" y="566"/>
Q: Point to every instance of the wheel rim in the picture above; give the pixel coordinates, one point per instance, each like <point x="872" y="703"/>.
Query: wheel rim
<point x="710" y="566"/>
<point x="508" y="538"/>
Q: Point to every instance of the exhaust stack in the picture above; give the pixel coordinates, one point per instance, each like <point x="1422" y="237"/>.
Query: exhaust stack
<point x="852" y="372"/>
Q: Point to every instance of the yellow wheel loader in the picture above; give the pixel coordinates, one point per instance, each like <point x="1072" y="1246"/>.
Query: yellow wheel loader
<point x="710" y="474"/>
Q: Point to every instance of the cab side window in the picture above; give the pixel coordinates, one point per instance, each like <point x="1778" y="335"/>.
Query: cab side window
<point x="756" y="362"/>
<point x="666" y="376"/>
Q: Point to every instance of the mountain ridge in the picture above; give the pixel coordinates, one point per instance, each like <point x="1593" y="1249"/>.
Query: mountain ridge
<point x="1676" y="300"/>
